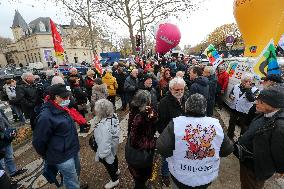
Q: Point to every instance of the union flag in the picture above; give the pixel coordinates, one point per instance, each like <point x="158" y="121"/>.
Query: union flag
<point x="57" y="41"/>
<point x="98" y="65"/>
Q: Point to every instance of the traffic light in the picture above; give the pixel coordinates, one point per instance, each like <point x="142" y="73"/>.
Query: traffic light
<point x="138" y="40"/>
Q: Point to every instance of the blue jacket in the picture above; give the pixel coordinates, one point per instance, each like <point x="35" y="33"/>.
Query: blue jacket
<point x="55" y="136"/>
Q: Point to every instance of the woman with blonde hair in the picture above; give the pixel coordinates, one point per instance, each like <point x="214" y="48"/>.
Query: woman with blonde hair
<point x="106" y="135"/>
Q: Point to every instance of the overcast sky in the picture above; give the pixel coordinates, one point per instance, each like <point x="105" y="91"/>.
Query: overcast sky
<point x="212" y="13"/>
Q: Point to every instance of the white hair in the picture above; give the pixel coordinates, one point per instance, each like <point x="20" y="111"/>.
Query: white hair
<point x="246" y="77"/>
<point x="57" y="80"/>
<point x="175" y="81"/>
<point x="180" y="74"/>
<point x="49" y="73"/>
<point x="103" y="109"/>
<point x="210" y="69"/>
<point x="90" y="72"/>
<point x="26" y="75"/>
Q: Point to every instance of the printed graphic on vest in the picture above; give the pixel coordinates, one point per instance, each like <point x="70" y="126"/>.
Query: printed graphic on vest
<point x="199" y="141"/>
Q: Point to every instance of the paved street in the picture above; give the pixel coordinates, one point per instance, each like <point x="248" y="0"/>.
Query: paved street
<point x="95" y="175"/>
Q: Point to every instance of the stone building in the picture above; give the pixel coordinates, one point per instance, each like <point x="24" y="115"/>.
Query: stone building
<point x="33" y="42"/>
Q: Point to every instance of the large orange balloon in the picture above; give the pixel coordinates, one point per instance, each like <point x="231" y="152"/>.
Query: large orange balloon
<point x="259" y="21"/>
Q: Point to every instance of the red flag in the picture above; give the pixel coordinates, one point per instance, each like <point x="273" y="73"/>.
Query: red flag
<point x="57" y="41"/>
<point x="98" y="65"/>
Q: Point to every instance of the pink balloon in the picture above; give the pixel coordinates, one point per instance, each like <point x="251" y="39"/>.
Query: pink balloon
<point x="167" y="38"/>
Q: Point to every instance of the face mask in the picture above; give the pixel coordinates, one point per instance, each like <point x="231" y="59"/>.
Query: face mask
<point x="64" y="103"/>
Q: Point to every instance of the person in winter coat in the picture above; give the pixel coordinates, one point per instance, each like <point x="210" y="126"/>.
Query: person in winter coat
<point x="222" y="85"/>
<point x="146" y="84"/>
<point x="106" y="134"/>
<point x="99" y="91"/>
<point x="55" y="136"/>
<point x="111" y="84"/>
<point x="6" y="149"/>
<point x="199" y="83"/>
<point x="210" y="74"/>
<point x="16" y="108"/>
<point x="73" y="74"/>
<point x="141" y="131"/>
<point x="47" y="82"/>
<point x="243" y="95"/>
<point x="260" y="148"/>
<point x="120" y="78"/>
<point x="171" y="106"/>
<point x="89" y="83"/>
<point x="164" y="82"/>
<point x="80" y="96"/>
<point x="131" y="84"/>
<point x="27" y="96"/>
<point x="193" y="145"/>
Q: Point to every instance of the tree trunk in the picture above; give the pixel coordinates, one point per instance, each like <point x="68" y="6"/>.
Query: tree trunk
<point x="130" y="27"/>
<point x="91" y="29"/>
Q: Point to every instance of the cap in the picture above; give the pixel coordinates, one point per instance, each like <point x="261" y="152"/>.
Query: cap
<point x="273" y="96"/>
<point x="60" y="90"/>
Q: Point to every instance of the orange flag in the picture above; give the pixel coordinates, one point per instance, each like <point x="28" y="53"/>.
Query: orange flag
<point x="98" y="65"/>
<point x="57" y="41"/>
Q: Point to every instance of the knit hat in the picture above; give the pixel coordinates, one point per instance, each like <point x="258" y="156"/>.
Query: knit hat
<point x="196" y="105"/>
<point x="273" y="96"/>
<point x="60" y="90"/>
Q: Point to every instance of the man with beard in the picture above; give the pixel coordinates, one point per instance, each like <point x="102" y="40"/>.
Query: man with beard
<point x="171" y="106"/>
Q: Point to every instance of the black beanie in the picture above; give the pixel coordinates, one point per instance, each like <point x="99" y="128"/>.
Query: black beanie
<point x="273" y="96"/>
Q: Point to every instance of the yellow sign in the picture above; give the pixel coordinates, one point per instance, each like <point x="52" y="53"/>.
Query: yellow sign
<point x="259" y="21"/>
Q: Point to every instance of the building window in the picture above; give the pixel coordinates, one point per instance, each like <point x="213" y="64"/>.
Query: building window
<point x="32" y="57"/>
<point x="26" y="58"/>
<point x="35" y="57"/>
<point x="29" y="58"/>
<point x="39" y="57"/>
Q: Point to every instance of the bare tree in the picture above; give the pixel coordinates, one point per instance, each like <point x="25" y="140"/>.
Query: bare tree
<point x="138" y="14"/>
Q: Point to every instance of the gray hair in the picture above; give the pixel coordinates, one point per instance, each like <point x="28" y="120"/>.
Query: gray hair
<point x="196" y="104"/>
<point x="57" y="80"/>
<point x="103" y="109"/>
<point x="180" y="74"/>
<point x="90" y="72"/>
<point x="175" y="81"/>
<point x="141" y="99"/>
<point x="247" y="77"/>
<point x="210" y="69"/>
<point x="26" y="75"/>
<point x="49" y="73"/>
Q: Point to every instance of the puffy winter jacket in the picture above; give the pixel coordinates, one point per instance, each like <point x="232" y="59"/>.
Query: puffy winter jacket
<point x="106" y="135"/>
<point x="111" y="83"/>
<point x="55" y="136"/>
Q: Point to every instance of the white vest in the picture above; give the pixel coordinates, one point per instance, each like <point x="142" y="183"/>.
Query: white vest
<point x="196" y="160"/>
<point x="241" y="103"/>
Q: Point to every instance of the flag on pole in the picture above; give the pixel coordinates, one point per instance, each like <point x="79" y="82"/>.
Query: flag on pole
<point x="266" y="63"/>
<point x="98" y="65"/>
<point x="57" y="41"/>
<point x="214" y="58"/>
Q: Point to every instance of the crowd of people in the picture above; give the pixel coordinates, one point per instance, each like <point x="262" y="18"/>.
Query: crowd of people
<point x="173" y="97"/>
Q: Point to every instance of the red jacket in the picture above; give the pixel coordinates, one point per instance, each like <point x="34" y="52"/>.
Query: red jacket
<point x="223" y="80"/>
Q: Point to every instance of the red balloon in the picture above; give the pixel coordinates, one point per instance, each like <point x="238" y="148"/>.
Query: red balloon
<point x="167" y="38"/>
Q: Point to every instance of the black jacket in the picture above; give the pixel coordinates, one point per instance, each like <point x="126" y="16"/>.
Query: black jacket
<point x="120" y="78"/>
<point x="130" y="86"/>
<point x="168" y="109"/>
<point x="200" y="85"/>
<point x="26" y="96"/>
<point x="265" y="139"/>
<point x="212" y="92"/>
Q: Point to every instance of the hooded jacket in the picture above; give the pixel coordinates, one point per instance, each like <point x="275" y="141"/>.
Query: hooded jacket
<point x="55" y="136"/>
<point x="111" y="83"/>
<point x="201" y="86"/>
